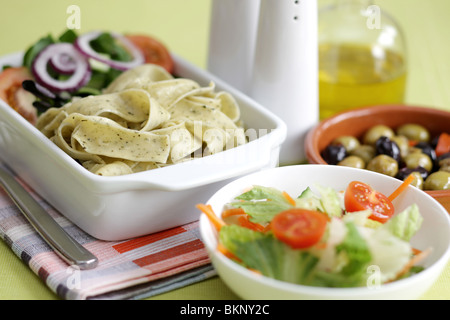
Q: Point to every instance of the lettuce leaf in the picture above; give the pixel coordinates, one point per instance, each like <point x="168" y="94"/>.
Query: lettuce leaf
<point x="389" y="253"/>
<point x="262" y="203"/>
<point x="355" y="248"/>
<point x="232" y="235"/>
<point x="309" y="200"/>
<point x="353" y="257"/>
<point x="330" y="201"/>
<point x="406" y="223"/>
<point x="361" y="218"/>
<point x="273" y="258"/>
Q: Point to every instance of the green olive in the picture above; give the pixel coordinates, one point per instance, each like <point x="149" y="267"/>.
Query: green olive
<point x="365" y="152"/>
<point x="349" y="142"/>
<point x="352" y="161"/>
<point x="414" y="150"/>
<point x="439" y="180"/>
<point x="418" y="180"/>
<point x="383" y="164"/>
<point x="445" y="168"/>
<point x="374" y="133"/>
<point x="444" y="165"/>
<point x="416" y="159"/>
<point x="415" y="132"/>
<point x="403" y="144"/>
<point x="444" y="162"/>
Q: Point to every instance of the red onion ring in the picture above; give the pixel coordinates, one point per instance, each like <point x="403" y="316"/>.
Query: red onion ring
<point x="63" y="63"/>
<point x="80" y="76"/>
<point x="82" y="43"/>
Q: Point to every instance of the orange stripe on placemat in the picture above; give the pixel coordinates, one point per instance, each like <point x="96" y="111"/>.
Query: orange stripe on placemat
<point x="170" y="253"/>
<point x="142" y="241"/>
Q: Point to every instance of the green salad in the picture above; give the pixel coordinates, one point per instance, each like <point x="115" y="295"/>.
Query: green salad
<point x="320" y="238"/>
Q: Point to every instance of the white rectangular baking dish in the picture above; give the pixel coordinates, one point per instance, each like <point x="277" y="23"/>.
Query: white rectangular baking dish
<point x="117" y="208"/>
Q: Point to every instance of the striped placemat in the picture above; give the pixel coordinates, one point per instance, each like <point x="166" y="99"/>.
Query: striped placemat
<point x="132" y="269"/>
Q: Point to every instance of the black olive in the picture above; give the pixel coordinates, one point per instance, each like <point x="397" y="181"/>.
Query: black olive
<point x="386" y="146"/>
<point x="405" y="172"/>
<point x="334" y="153"/>
<point x="427" y="149"/>
<point x="434" y="142"/>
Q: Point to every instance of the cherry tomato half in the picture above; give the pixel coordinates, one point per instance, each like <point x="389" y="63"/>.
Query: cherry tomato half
<point x="14" y="95"/>
<point x="154" y="51"/>
<point x="360" y="196"/>
<point x="299" y="228"/>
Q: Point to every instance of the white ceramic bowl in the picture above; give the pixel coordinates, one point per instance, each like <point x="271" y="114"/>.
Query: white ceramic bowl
<point x="116" y="208"/>
<point x="435" y="233"/>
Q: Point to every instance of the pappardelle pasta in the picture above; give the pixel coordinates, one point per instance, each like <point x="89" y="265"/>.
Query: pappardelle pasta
<point x="145" y="119"/>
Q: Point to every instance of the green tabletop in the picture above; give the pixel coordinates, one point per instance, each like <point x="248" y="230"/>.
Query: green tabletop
<point x="183" y="25"/>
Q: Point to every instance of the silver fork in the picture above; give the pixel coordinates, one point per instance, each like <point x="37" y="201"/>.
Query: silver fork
<point x="63" y="244"/>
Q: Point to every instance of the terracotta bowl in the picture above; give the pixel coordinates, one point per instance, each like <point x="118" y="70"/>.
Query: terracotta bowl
<point x="357" y="122"/>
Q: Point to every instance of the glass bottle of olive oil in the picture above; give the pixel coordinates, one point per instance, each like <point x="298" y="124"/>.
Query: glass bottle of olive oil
<point x="362" y="57"/>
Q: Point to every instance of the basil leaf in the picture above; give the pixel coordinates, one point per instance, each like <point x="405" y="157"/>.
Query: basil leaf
<point x="107" y="44"/>
<point x="68" y="36"/>
<point x="33" y="51"/>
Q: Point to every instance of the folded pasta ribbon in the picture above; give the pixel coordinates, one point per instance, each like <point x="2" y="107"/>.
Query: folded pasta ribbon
<point x="145" y="119"/>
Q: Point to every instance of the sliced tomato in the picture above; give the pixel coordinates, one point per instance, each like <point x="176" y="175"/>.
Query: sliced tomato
<point x="12" y="93"/>
<point x="299" y="228"/>
<point x="360" y="196"/>
<point x="154" y="51"/>
<point x="443" y="145"/>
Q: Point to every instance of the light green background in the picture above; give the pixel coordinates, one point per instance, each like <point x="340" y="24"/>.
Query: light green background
<point x="183" y="25"/>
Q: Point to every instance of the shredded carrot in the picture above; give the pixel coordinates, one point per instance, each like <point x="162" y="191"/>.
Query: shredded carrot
<point x="416" y="251"/>
<point x="227" y="253"/>
<point x="267" y="227"/>
<point x="215" y="220"/>
<point x="232" y="212"/>
<point x="289" y="198"/>
<point x="245" y="222"/>
<point x="414" y="260"/>
<point x="255" y="271"/>
<point x="401" y="188"/>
